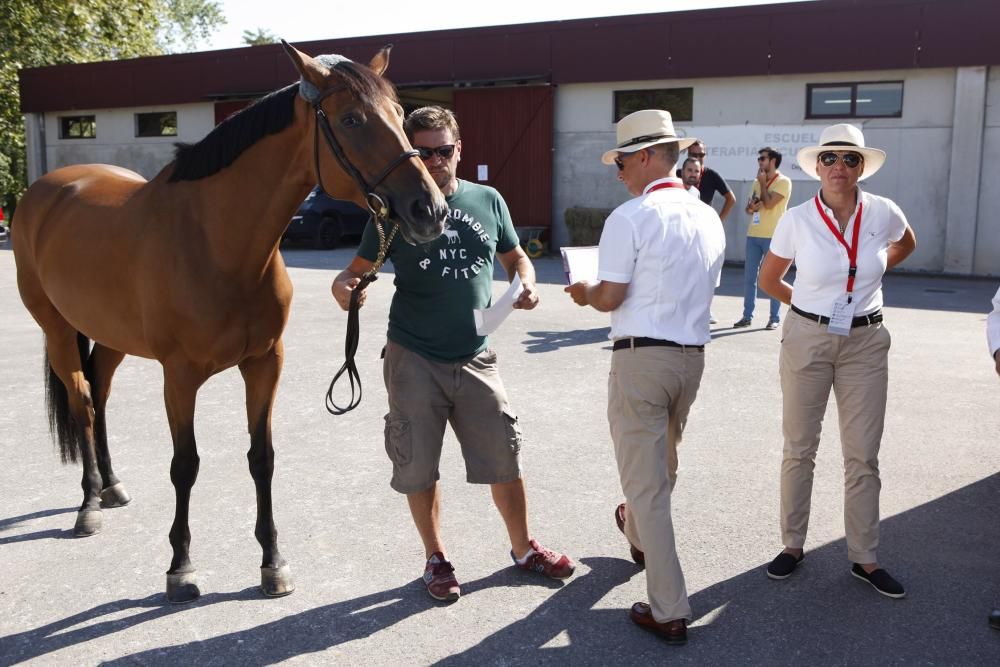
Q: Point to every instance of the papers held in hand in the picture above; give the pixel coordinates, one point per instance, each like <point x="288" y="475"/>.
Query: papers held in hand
<point x="488" y="319"/>
<point x="580" y="263"/>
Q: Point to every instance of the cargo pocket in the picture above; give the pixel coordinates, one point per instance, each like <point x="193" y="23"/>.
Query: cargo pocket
<point x="513" y="430"/>
<point x="397" y="440"/>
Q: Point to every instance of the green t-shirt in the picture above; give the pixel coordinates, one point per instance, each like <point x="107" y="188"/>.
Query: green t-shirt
<point x="438" y="284"/>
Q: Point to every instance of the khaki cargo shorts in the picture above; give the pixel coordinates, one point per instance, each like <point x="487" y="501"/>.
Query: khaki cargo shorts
<point x="425" y="395"/>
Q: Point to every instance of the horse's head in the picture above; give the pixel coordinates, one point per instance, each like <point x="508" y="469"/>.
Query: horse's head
<point x="362" y="153"/>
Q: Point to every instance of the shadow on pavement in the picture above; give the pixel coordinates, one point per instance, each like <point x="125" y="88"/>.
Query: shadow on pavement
<point x="944" y="552"/>
<point x="549" y="341"/>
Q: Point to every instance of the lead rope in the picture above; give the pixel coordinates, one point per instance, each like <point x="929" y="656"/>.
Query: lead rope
<point x="354" y="328"/>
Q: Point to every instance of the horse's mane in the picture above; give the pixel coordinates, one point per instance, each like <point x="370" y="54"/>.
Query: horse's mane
<point x="268" y="115"/>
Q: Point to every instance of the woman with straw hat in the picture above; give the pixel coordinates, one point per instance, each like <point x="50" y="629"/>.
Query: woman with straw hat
<point x="842" y="241"/>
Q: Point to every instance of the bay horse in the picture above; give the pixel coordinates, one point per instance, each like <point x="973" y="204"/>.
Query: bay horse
<point x="186" y="269"/>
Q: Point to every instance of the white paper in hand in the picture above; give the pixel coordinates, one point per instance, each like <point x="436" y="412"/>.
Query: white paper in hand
<point x="580" y="263"/>
<point x="489" y="319"/>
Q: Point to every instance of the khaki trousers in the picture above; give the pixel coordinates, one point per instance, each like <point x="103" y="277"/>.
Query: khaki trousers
<point x="856" y="366"/>
<point x="650" y="392"/>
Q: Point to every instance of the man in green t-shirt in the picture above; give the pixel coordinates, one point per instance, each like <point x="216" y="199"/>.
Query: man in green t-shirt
<point x="768" y="202"/>
<point x="438" y="369"/>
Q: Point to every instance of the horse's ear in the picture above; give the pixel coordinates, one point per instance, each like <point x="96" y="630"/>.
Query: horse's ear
<point x="380" y="63"/>
<point x="307" y="67"/>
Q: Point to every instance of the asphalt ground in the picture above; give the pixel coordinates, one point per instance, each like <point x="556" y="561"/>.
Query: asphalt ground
<point x="357" y="558"/>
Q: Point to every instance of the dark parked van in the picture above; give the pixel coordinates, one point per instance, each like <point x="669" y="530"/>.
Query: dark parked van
<point x="323" y="221"/>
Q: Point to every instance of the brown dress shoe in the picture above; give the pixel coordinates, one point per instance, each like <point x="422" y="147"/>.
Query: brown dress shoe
<point x="674" y="632"/>
<point x="637" y="555"/>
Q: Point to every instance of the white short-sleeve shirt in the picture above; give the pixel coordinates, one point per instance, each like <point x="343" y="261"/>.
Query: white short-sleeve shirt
<point x="821" y="262"/>
<point x="669" y="247"/>
<point x="993" y="326"/>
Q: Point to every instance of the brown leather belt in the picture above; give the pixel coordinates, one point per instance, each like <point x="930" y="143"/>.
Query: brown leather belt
<point x="640" y="341"/>
<point x="859" y="321"/>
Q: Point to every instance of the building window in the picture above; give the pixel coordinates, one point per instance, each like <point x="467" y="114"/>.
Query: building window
<point x="156" y="124"/>
<point x="678" y="101"/>
<point x="77" y="127"/>
<point x="870" y="99"/>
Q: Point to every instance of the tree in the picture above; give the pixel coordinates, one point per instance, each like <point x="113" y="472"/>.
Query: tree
<point x="34" y="34"/>
<point x="262" y="36"/>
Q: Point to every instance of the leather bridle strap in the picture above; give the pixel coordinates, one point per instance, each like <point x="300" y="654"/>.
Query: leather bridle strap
<point x="354" y="329"/>
<point x="379" y="214"/>
<point x="376" y="204"/>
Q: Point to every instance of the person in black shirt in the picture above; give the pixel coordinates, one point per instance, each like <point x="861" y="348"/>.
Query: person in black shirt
<point x="711" y="181"/>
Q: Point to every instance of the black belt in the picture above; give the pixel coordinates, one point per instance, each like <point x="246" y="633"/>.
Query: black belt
<point x="640" y="341"/>
<point x="859" y="321"/>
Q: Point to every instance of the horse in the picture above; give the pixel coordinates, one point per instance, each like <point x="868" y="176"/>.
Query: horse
<point x="169" y="269"/>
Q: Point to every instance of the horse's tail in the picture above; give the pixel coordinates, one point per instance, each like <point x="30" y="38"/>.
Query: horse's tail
<point x="62" y="426"/>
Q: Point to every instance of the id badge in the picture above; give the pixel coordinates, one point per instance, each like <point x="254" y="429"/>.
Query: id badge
<point x="841" y="316"/>
<point x="756" y="217"/>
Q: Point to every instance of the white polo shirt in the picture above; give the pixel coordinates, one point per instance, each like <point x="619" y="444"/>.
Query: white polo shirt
<point x="669" y="247"/>
<point x="821" y="262"/>
<point x="993" y="326"/>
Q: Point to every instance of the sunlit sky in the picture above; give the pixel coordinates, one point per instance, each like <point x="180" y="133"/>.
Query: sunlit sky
<point x="305" y="20"/>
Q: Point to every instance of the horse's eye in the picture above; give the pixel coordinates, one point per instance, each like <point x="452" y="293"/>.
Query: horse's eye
<point x="351" y="120"/>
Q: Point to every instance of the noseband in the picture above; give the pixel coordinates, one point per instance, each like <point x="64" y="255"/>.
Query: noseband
<point x="379" y="212"/>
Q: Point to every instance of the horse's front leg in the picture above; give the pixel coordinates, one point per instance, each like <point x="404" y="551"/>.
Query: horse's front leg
<point x="180" y="388"/>
<point x="261" y="377"/>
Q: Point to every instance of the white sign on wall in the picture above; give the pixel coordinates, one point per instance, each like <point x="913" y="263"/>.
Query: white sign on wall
<point x="731" y="150"/>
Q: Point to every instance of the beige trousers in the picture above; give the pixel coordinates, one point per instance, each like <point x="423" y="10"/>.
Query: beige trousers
<point x="856" y="367"/>
<point x="650" y="392"/>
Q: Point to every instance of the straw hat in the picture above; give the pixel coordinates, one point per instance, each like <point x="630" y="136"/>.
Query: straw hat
<point x="841" y="137"/>
<point x="643" y="129"/>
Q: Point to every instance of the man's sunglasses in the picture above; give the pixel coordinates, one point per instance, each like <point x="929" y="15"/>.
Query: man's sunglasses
<point x="851" y="160"/>
<point x="696" y="156"/>
<point x="445" y="151"/>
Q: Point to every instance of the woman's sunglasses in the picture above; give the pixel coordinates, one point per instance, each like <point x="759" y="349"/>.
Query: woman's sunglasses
<point x="445" y="151"/>
<point x="851" y="160"/>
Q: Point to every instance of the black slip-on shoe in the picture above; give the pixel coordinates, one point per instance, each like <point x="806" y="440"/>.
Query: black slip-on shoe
<point x="783" y="565"/>
<point x="745" y="322"/>
<point x="995" y="619"/>
<point x="880" y="580"/>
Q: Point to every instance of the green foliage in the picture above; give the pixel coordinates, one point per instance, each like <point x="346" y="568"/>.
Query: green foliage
<point x="35" y="34"/>
<point x="262" y="36"/>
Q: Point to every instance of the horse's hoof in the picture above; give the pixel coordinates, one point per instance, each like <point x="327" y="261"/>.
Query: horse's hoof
<point x="88" y="522"/>
<point x="182" y="587"/>
<point x="115" y="496"/>
<point x="276" y="582"/>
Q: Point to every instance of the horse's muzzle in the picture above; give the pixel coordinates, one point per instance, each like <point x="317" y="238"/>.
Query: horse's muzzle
<point x="423" y="219"/>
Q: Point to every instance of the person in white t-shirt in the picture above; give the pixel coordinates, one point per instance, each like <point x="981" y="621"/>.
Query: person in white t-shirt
<point x="691" y="175"/>
<point x="993" y="339"/>
<point x="842" y="241"/>
<point x="659" y="260"/>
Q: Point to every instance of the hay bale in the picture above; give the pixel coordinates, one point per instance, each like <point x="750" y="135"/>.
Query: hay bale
<point x="585" y="224"/>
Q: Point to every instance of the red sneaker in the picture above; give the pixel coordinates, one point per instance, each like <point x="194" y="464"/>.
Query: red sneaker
<point x="439" y="577"/>
<point x="547" y="562"/>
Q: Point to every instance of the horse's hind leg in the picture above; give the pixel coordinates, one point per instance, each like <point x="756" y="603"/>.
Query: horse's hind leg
<point x="100" y="369"/>
<point x="260" y="374"/>
<point x="72" y="414"/>
<point x="180" y="387"/>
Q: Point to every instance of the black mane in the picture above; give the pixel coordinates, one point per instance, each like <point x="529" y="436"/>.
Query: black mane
<point x="268" y="115"/>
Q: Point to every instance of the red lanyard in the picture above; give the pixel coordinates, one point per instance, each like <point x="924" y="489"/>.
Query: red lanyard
<point x="668" y="184"/>
<point x="852" y="250"/>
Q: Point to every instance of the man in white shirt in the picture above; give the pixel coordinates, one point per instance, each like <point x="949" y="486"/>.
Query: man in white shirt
<point x="993" y="338"/>
<point x="660" y="257"/>
<point x="993" y="330"/>
<point x="691" y="175"/>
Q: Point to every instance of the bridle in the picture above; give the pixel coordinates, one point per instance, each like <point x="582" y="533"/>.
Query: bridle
<point x="379" y="215"/>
